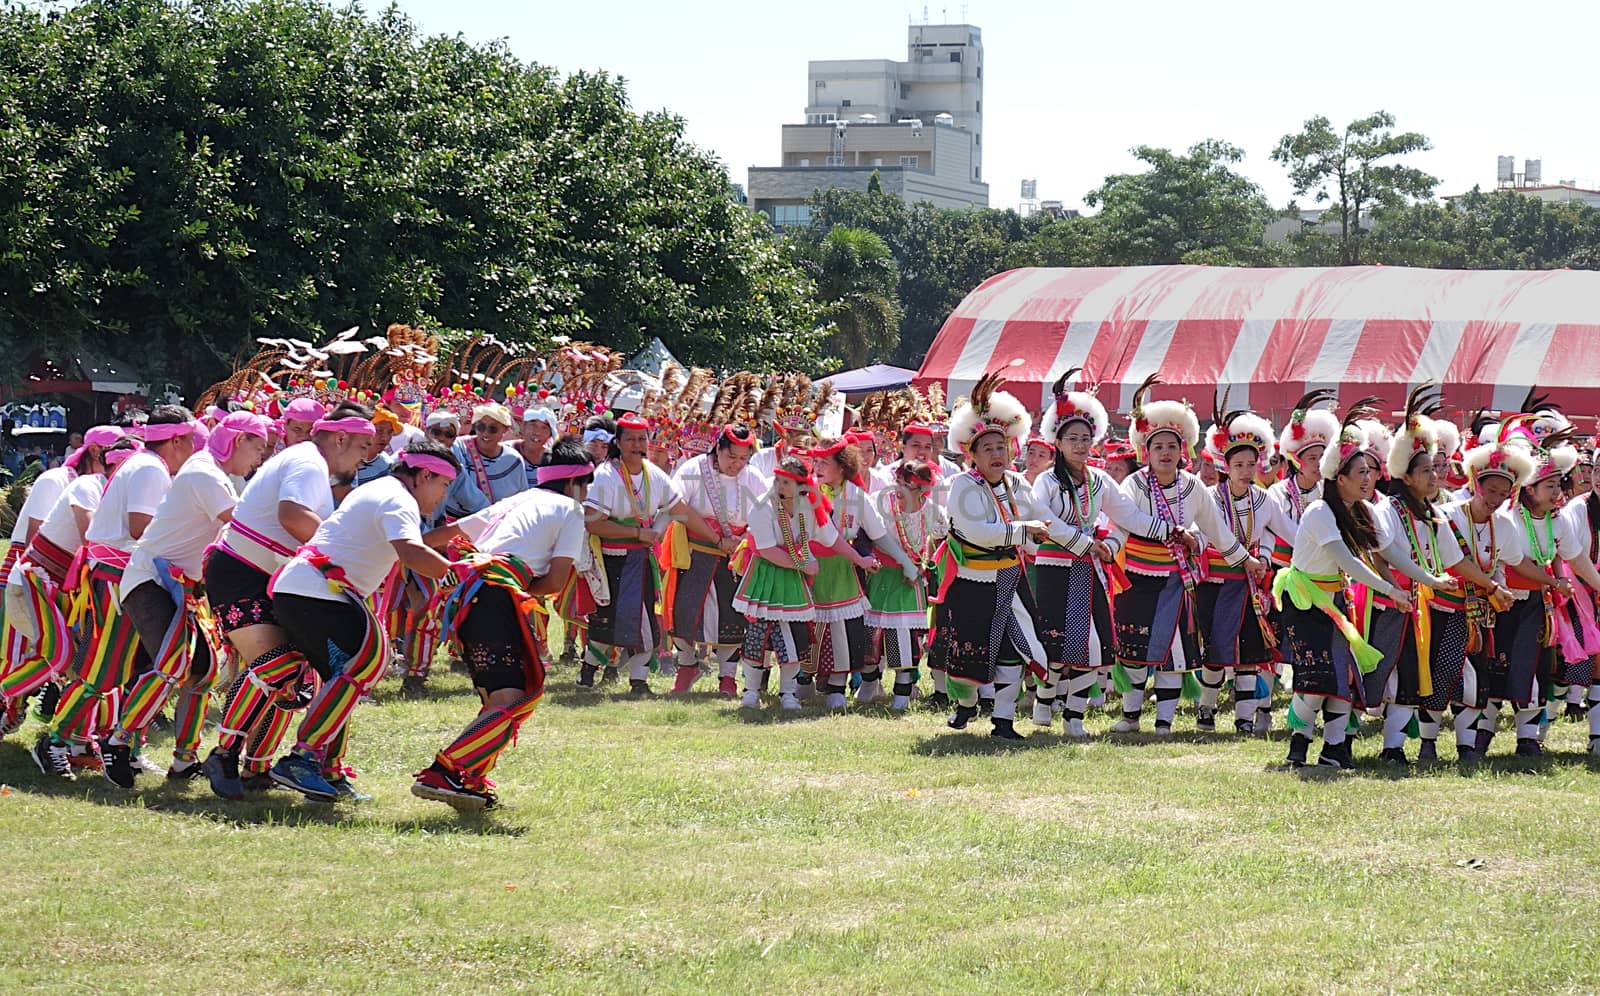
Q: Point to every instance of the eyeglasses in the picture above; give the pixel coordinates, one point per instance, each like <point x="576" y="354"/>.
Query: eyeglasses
<point x="443" y="431"/>
<point x="488" y="428"/>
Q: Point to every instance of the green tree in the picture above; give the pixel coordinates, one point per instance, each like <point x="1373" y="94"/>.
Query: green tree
<point x="177" y="179"/>
<point x="1354" y="172"/>
<point x="1191" y="208"/>
<point x="857" y="280"/>
<point x="1500" y="229"/>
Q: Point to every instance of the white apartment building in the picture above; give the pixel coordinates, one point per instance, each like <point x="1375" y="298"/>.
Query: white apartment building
<point x="918" y="123"/>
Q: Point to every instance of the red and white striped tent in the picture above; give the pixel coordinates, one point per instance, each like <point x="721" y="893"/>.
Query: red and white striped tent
<point x="1272" y="334"/>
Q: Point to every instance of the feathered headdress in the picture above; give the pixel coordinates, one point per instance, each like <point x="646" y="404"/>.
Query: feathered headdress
<point x="1149" y="418"/>
<point x="1309" y="425"/>
<point x="1449" y="436"/>
<point x="1501" y="456"/>
<point x="988" y="409"/>
<point x="1232" y="429"/>
<point x="1417" y="433"/>
<point x="1352" y="438"/>
<point x="1556" y="456"/>
<point x="1073" y="406"/>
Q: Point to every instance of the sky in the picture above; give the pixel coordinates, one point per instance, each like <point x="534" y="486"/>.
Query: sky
<point x="1071" y="88"/>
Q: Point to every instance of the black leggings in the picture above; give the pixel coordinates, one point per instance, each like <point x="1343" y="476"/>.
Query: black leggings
<point x="328" y="632"/>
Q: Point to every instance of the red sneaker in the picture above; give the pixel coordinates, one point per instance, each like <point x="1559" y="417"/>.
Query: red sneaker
<point x="438" y="784"/>
<point x="728" y="686"/>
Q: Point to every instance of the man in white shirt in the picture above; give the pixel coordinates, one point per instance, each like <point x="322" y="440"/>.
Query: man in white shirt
<point x="113" y="655"/>
<point x="159" y="597"/>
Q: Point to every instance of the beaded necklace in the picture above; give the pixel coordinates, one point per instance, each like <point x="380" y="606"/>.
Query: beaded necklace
<point x="1235" y="522"/>
<point x="1431" y="565"/>
<point x="791" y="544"/>
<point x="1083" y="501"/>
<point x="1541" y="555"/>
<point x="918" y="550"/>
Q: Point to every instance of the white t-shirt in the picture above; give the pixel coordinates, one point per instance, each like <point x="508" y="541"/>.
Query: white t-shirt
<point x="298" y="474"/>
<point x="1498" y="546"/>
<point x="136" y="487"/>
<point x="60" y="524"/>
<point x="47" y="488"/>
<point x="703" y="488"/>
<point x="654" y="493"/>
<point x="186" y="522"/>
<point x="534" y="526"/>
<point x="764" y="532"/>
<point x="358" y="538"/>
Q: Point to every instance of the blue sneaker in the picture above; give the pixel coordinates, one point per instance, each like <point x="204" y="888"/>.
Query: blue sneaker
<point x="222" y="771"/>
<point x="295" y="771"/>
<point x="347" y="790"/>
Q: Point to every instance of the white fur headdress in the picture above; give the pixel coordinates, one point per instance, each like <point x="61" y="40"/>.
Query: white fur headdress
<point x="1512" y="461"/>
<point x="988" y="409"/>
<point x="1149" y="418"/>
<point x="1070" y="406"/>
<point x="1352" y="439"/>
<point x="1233" y="429"/>
<point x="1309" y="425"/>
<point x="1416" y="433"/>
<point x="1449" y="436"/>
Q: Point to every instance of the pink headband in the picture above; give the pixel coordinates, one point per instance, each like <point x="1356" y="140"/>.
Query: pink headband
<point x="427" y="461"/>
<point x="350" y="423"/>
<point x="165" y="431"/>
<point x="231" y="428"/>
<point x="563" y="471"/>
<point x="114" y="458"/>
<point x="103" y="435"/>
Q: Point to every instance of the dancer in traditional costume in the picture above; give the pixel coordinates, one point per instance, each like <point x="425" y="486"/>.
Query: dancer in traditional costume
<point x="1232" y="604"/>
<point x="1539" y="643"/>
<point x="983" y="626"/>
<point x="1416" y="682"/>
<point x="631" y="501"/>
<point x="1155" y="617"/>
<point x="1326" y="651"/>
<point x="838" y="631"/>
<point x="719" y="485"/>
<point x="159" y="595"/>
<point x="321" y="601"/>
<point x="88" y="708"/>
<point x="281" y="508"/>
<point x="775" y="593"/>
<point x="1583" y="511"/>
<point x="897" y="601"/>
<point x="525" y="549"/>
<point x="1076" y="567"/>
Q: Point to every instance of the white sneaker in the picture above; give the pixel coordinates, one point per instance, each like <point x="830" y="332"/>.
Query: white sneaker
<point x="900" y="704"/>
<point x="1126" y="725"/>
<point x="1042" y="714"/>
<point x="789" y="701"/>
<point x="836" y="700"/>
<point x="1075" y="729"/>
<point x="751" y="699"/>
<point x="870" y="691"/>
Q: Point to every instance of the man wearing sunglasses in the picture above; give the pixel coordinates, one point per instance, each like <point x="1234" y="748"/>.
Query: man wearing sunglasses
<point x="443" y="426"/>
<point x="492" y="471"/>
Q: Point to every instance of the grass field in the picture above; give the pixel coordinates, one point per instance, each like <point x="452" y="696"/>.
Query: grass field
<point x="682" y="846"/>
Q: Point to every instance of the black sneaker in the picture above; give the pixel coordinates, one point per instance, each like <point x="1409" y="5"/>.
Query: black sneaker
<point x="1003" y="730"/>
<point x="49" y="696"/>
<point x="639" y="688"/>
<point x="222" y="771"/>
<point x="1395" y="755"/>
<point x="117" y="765"/>
<point x="1575" y="711"/>
<point x="1429" y="751"/>
<point x="1244" y="727"/>
<point x="586" y="676"/>
<point x="938" y="702"/>
<point x="608" y="676"/>
<point x="1529" y="747"/>
<point x="161" y="723"/>
<point x="437" y="783"/>
<point x="184" y="771"/>
<point x="963" y="715"/>
<point x="1485" y="738"/>
<point x="1466" y="755"/>
<point x="1205" y="720"/>
<point x="985" y="707"/>
<point x="52" y="758"/>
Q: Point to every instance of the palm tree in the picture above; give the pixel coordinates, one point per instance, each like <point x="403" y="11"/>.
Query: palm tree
<point x="857" y="280"/>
